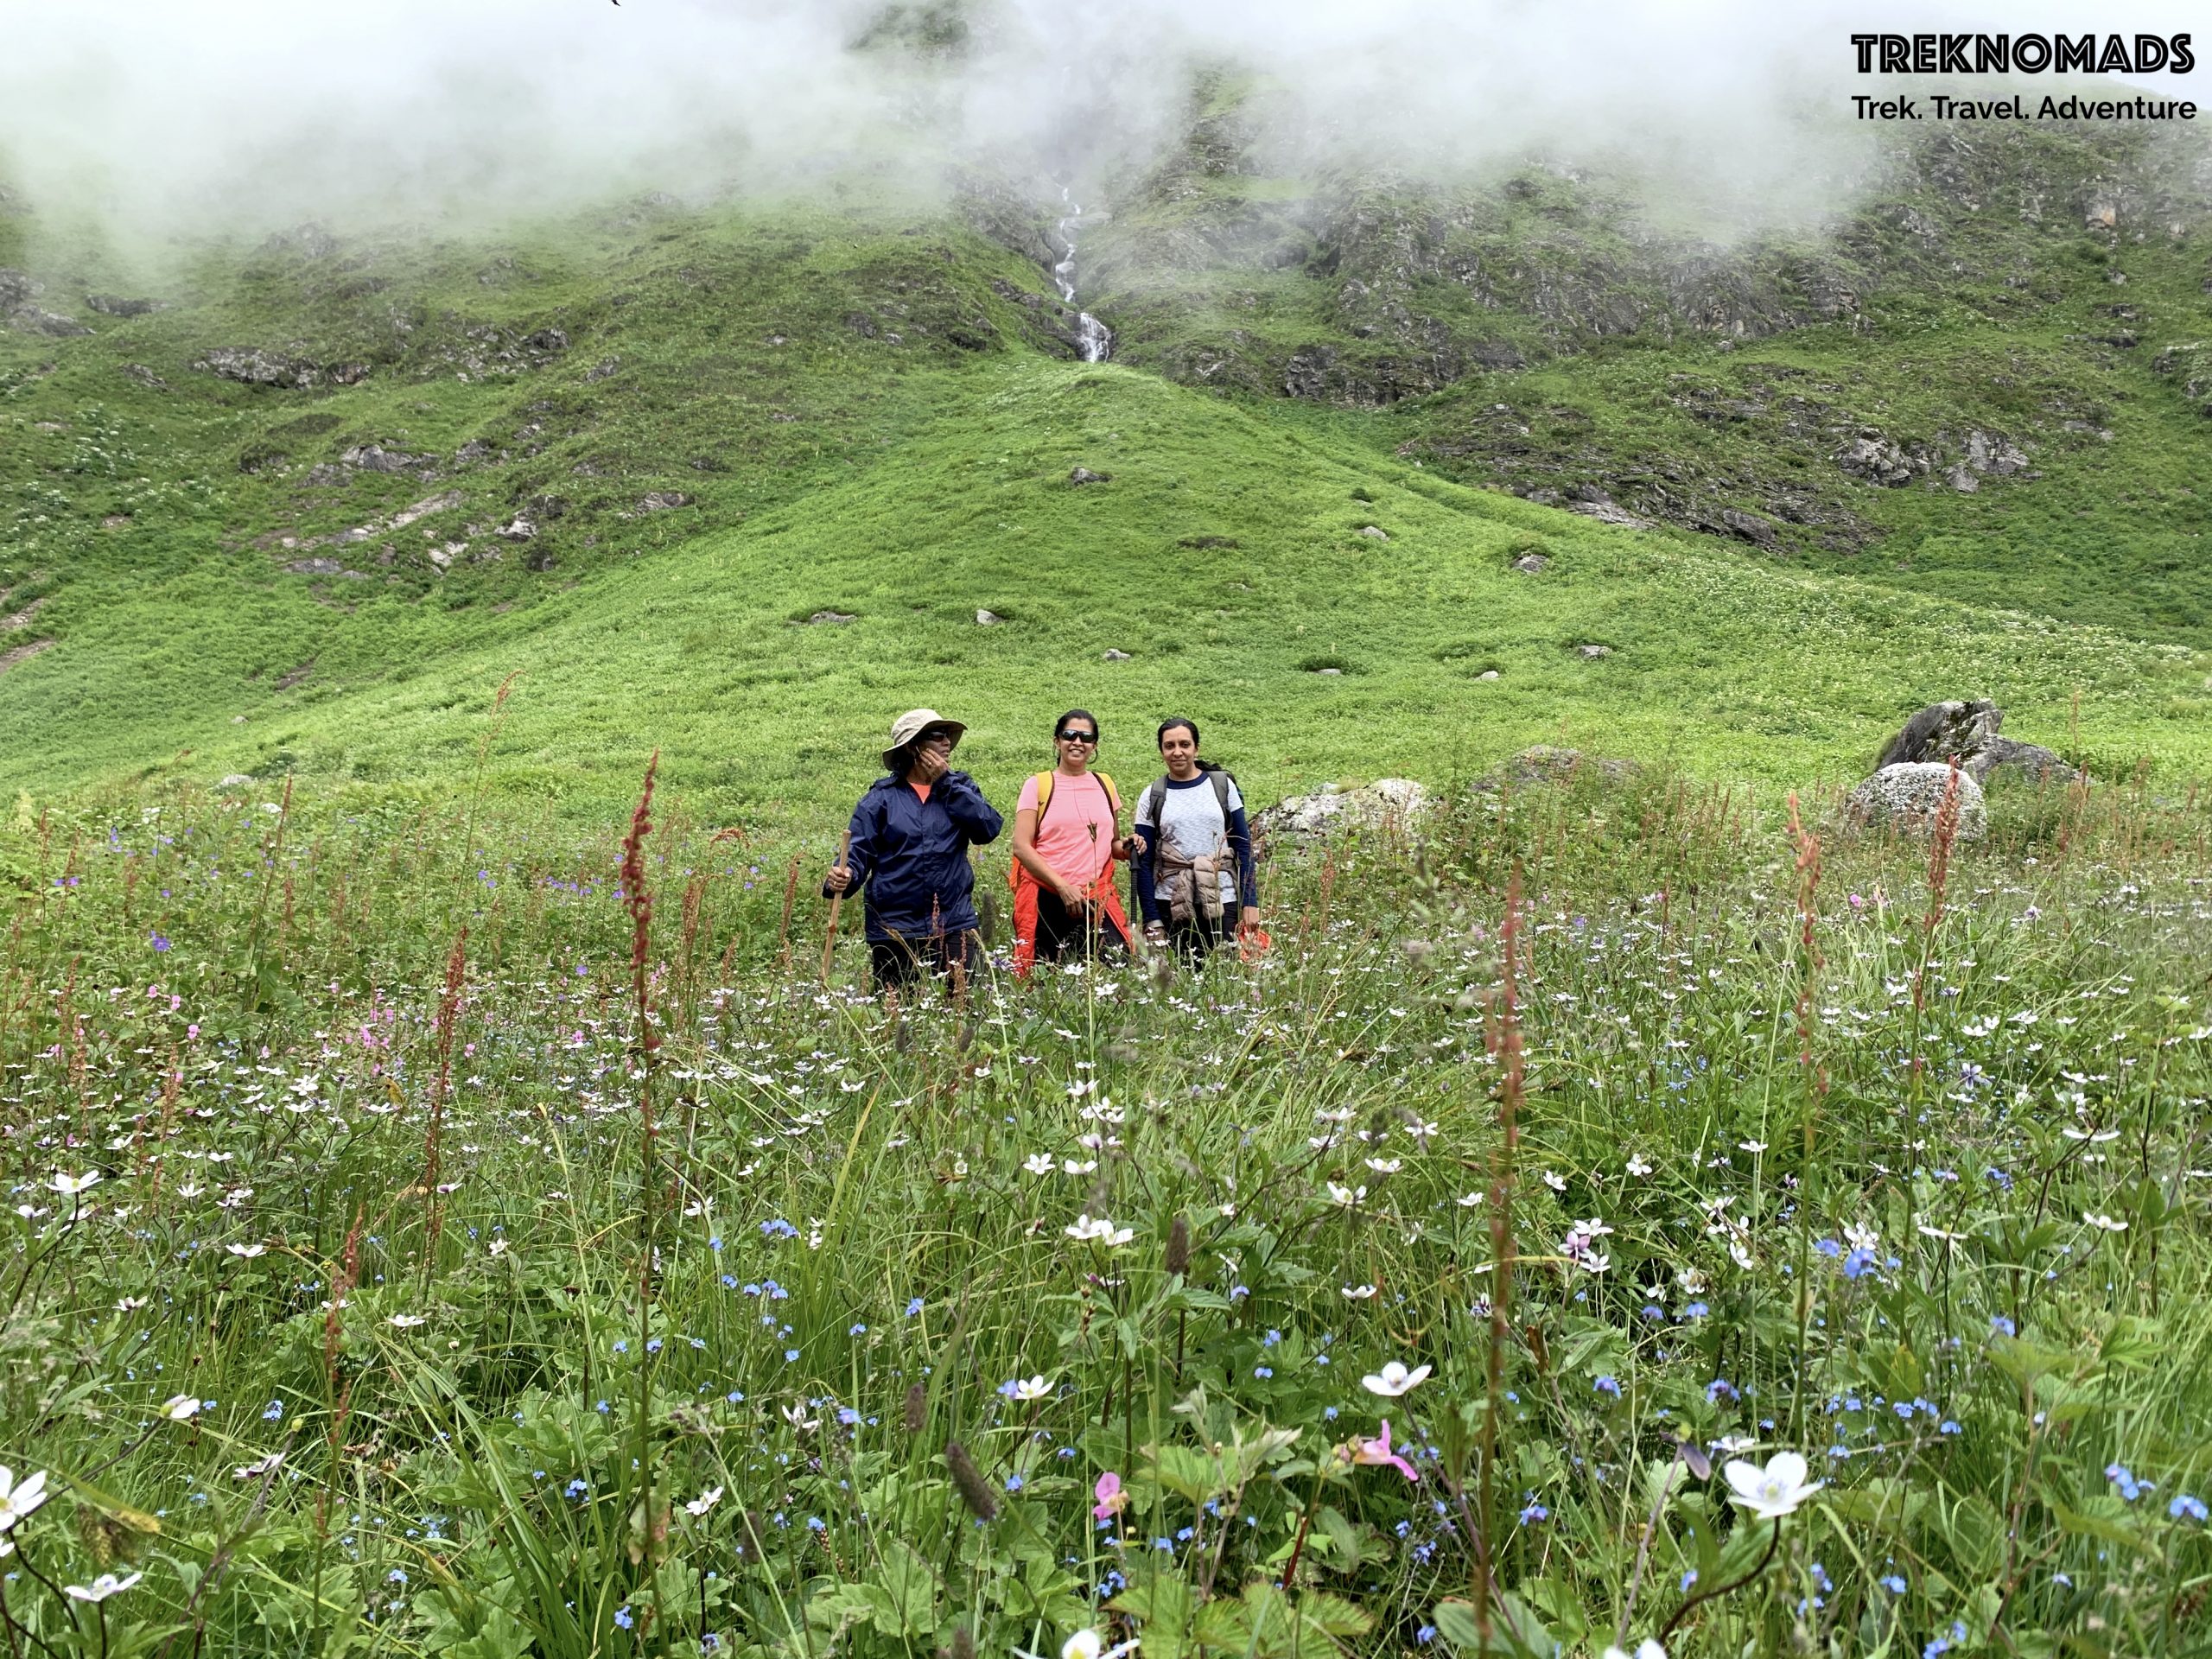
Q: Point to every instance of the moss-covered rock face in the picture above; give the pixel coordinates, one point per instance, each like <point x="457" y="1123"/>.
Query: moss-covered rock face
<point x="306" y="493"/>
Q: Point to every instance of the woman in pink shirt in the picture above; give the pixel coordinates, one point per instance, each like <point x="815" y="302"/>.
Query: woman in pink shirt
<point x="1066" y="840"/>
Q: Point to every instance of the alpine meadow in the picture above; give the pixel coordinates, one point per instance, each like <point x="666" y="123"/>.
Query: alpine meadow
<point x="1700" y="1149"/>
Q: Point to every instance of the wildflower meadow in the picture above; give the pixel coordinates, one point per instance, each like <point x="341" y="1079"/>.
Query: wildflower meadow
<point x="1616" y="1215"/>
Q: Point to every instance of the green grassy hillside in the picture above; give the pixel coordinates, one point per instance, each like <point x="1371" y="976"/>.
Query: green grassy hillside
<point x="306" y="510"/>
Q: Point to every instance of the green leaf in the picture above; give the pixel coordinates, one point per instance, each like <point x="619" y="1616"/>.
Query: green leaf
<point x="909" y="1586"/>
<point x="2094" y="1526"/>
<point x="1161" y="1607"/>
<point x="1180" y="1469"/>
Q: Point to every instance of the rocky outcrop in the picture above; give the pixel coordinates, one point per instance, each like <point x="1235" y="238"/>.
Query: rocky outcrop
<point x="30" y="320"/>
<point x="1910" y="796"/>
<point x="1546" y="764"/>
<point x="375" y="458"/>
<point x="112" y="305"/>
<point x="255" y="365"/>
<point x="1966" y="731"/>
<point x="1388" y="803"/>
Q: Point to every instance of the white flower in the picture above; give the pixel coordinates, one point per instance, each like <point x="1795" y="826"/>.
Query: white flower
<point x="1557" y="1183"/>
<point x="1394" y="1379"/>
<point x="407" y="1321"/>
<point x="1088" y="1644"/>
<point x="129" y="1304"/>
<point x="1349" y="1198"/>
<point x="1638" y="1167"/>
<point x="1863" y="1238"/>
<point x="1774" y="1492"/>
<point x="1098" y="1229"/>
<point x="1357" y="1293"/>
<point x="18" y="1499"/>
<point x="1691" y="1281"/>
<point x="1469" y="1201"/>
<point x="1385" y="1165"/>
<point x="102" y="1587"/>
<point x="705" y="1501"/>
<point x="258" y="1467"/>
<point x="1751" y="1146"/>
<point x="1037" y="1163"/>
<point x="69" y="1185"/>
<point x="1593" y="1262"/>
<point x="498" y="1247"/>
<point x="2104" y="1223"/>
<point x="180" y="1408"/>
<point x="1647" y="1648"/>
<point x="1032" y="1387"/>
<point x="1740" y="1256"/>
<point x="1926" y="1231"/>
<point x="249" y="1251"/>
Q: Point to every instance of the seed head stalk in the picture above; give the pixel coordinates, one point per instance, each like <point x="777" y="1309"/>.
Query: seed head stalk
<point x="1505" y="1045"/>
<point x="441" y="1087"/>
<point x="1939" y="874"/>
<point x="637" y="899"/>
<point x="1816" y="1078"/>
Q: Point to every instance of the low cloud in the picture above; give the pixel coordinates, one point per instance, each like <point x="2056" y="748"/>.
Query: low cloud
<point x="244" y="114"/>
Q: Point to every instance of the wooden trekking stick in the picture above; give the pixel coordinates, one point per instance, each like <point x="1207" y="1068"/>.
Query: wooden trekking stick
<point x="836" y="904"/>
<point x="784" y="928"/>
<point x="1136" y="907"/>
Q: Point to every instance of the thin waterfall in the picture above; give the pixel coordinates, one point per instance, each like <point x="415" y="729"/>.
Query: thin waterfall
<point x="1093" y="337"/>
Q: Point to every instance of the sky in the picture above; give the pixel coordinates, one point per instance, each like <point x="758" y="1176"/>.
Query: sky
<point x="231" y="113"/>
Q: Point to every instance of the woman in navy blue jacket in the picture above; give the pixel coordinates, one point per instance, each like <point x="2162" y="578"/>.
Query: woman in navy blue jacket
<point x="911" y="834"/>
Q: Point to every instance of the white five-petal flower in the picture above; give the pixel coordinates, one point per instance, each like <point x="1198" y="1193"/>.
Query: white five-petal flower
<point x="1774" y="1492"/>
<point x="1394" y="1379"/>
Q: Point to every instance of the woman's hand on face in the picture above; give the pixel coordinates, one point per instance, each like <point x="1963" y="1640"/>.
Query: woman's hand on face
<point x="931" y="763"/>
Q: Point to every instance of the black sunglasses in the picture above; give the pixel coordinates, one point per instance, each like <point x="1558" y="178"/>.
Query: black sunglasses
<point x="1076" y="737"/>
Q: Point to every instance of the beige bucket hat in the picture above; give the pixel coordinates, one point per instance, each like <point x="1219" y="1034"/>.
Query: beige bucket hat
<point x="911" y="724"/>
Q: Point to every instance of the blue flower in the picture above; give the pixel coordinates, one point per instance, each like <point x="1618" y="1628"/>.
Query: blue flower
<point x="1608" y="1385"/>
<point x="622" y="1617"/>
<point x="913" y="1308"/>
<point x="1893" y="1582"/>
<point x="2187" y="1507"/>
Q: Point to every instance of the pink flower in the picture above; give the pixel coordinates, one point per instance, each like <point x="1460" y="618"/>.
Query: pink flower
<point x="1377" y="1454"/>
<point x="1112" y="1500"/>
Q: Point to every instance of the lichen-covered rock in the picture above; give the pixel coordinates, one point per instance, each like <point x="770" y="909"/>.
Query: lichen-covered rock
<point x="1910" y="796"/>
<point x="1386" y="802"/>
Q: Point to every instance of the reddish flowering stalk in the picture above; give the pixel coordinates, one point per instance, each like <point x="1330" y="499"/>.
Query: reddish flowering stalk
<point x="637" y="899"/>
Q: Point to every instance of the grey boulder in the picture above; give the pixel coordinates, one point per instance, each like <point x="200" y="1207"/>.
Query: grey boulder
<point x="1910" y="796"/>
<point x="1394" y="803"/>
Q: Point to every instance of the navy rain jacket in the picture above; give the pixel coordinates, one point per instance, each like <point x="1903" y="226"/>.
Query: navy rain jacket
<point x="911" y="854"/>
